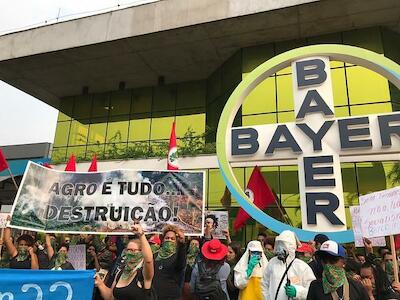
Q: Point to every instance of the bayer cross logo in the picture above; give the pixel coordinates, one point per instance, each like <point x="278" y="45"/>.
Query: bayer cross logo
<point x="317" y="140"/>
<point x="249" y="193"/>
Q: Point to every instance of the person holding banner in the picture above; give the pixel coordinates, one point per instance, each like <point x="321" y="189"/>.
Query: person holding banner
<point x="23" y="256"/>
<point x="58" y="261"/>
<point x="134" y="281"/>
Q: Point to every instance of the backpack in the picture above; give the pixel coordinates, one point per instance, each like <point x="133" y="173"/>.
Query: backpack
<point x="208" y="286"/>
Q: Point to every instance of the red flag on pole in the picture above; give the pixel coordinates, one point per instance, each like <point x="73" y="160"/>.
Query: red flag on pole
<point x="172" y="160"/>
<point x="259" y="192"/>
<point x="3" y="162"/>
<point x="93" y="165"/>
<point x="71" y="164"/>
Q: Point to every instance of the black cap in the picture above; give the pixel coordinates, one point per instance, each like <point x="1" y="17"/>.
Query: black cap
<point x="320" y="238"/>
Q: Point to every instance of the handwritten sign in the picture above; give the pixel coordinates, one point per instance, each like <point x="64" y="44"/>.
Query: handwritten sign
<point x="220" y="223"/>
<point x="358" y="235"/>
<point x="3" y="220"/>
<point x="77" y="256"/>
<point x="380" y="213"/>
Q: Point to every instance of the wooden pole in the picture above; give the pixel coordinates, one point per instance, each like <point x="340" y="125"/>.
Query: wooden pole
<point x="13" y="179"/>
<point x="394" y="256"/>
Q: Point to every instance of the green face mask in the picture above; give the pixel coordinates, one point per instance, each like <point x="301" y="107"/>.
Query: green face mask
<point x="167" y="249"/>
<point x="333" y="277"/>
<point x="389" y="269"/>
<point x="192" y="254"/>
<point x="306" y="259"/>
<point x="61" y="259"/>
<point x="22" y="253"/>
<point x="132" y="260"/>
<point x="154" y="248"/>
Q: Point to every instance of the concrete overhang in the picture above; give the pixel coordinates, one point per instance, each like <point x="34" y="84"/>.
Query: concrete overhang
<point x="181" y="40"/>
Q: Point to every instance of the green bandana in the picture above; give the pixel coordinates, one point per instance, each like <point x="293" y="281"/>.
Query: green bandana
<point x="61" y="259"/>
<point x="154" y="248"/>
<point x="306" y="259"/>
<point x="389" y="270"/>
<point x="269" y="254"/>
<point x="132" y="261"/>
<point x="333" y="277"/>
<point x="167" y="249"/>
<point x="192" y="254"/>
<point x="22" y="254"/>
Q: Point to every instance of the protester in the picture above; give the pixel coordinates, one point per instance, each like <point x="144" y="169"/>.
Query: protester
<point x="316" y="264"/>
<point x="232" y="259"/>
<point x="249" y="271"/>
<point x="111" y="242"/>
<point x="170" y="264"/>
<point x="286" y="276"/>
<point x="269" y="247"/>
<point x="58" y="261"/>
<point x="134" y="281"/>
<point x="104" y="256"/>
<point x="304" y="252"/>
<point x="155" y="243"/>
<point x="91" y="259"/>
<point x="209" y="276"/>
<point x="23" y="256"/>
<point x="261" y="237"/>
<point x="191" y="259"/>
<point x="360" y="258"/>
<point x="334" y="283"/>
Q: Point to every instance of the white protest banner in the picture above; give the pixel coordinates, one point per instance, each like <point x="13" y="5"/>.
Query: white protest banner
<point x="358" y="236"/>
<point x="380" y="213"/>
<point x="77" y="256"/>
<point x="220" y="223"/>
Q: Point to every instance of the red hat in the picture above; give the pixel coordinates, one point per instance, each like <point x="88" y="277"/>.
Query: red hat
<point x="155" y="239"/>
<point x="214" y="250"/>
<point x="304" y="248"/>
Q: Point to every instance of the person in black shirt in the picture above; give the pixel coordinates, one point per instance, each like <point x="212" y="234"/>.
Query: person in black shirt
<point x="315" y="264"/>
<point x="334" y="283"/>
<point x="23" y="256"/>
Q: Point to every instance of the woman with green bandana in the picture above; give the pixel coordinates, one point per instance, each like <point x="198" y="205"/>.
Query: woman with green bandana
<point x="170" y="264"/>
<point x="134" y="280"/>
<point x="22" y="256"/>
<point x="335" y="285"/>
<point x="58" y="261"/>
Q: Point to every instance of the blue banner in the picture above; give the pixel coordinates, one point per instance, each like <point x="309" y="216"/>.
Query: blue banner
<point x="46" y="284"/>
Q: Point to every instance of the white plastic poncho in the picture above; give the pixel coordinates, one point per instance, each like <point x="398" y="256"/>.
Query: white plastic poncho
<point x="240" y="269"/>
<point x="299" y="273"/>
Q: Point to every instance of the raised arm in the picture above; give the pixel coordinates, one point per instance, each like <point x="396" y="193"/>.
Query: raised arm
<point x="148" y="263"/>
<point x="49" y="247"/>
<point x="8" y="241"/>
<point x="181" y="251"/>
<point x="34" y="259"/>
<point x="105" y="291"/>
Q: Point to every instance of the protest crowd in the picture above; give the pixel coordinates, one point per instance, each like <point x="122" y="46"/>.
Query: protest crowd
<point x="172" y="266"/>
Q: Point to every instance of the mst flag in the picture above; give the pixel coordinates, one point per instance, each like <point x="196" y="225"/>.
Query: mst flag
<point x="172" y="160"/>
<point x="259" y="192"/>
<point x="3" y="162"/>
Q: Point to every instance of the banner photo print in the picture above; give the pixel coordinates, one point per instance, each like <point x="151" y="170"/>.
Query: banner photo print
<point x="108" y="202"/>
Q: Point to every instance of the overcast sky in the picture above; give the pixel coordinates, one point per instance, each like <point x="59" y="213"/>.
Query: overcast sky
<point x="23" y="118"/>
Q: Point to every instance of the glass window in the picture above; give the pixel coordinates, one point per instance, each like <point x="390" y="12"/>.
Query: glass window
<point x="79" y="132"/>
<point x="139" y="127"/>
<point x="191" y="94"/>
<point x="159" y="148"/>
<point x="349" y="182"/>
<point x="392" y="172"/>
<point x="58" y="154"/>
<point x="371" y="177"/>
<point x="285" y="92"/>
<point x="79" y="152"/>
<point x="138" y="149"/>
<point x="339" y="87"/>
<point x="120" y="103"/>
<point x="117" y="130"/>
<point x="342" y="111"/>
<point x="232" y="72"/>
<point x="366" y="86"/>
<point x="95" y="149"/>
<point x="261" y="99"/>
<point x="97" y="131"/>
<point x="62" y="132"/>
<point x="252" y="57"/>
<point x="115" y="150"/>
<point x="289" y="186"/>
<point x="369" y="38"/>
<point x="259" y="119"/>
<point x="164" y="98"/>
<point x="66" y="107"/>
<point x="377" y="108"/>
<point x="82" y="107"/>
<point x="214" y="86"/>
<point x="286" y="117"/>
<point x="196" y="123"/>
<point x="101" y="105"/>
<point x="141" y="100"/>
<point x="216" y="186"/>
<point x="161" y="128"/>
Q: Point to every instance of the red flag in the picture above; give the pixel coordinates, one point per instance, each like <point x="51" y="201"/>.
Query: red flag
<point x="47" y="165"/>
<point x="71" y="164"/>
<point x="259" y="192"/>
<point x="172" y="160"/>
<point x="93" y="165"/>
<point x="3" y="162"/>
<point x="397" y="242"/>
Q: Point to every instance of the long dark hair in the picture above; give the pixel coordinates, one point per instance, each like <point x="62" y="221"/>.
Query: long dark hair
<point x="382" y="282"/>
<point x="237" y="248"/>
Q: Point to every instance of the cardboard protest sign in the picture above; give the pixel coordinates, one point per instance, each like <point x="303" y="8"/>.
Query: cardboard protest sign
<point x="380" y="213"/>
<point x="109" y="202"/>
<point x="220" y="222"/>
<point x="77" y="256"/>
<point x="358" y="236"/>
<point x="3" y="220"/>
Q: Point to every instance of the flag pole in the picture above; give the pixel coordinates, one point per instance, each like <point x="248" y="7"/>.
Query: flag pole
<point x="287" y="219"/>
<point x="13" y="179"/>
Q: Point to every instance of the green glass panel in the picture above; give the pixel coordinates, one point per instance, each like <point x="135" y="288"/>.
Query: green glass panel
<point x="259" y="119"/>
<point x="369" y="38"/>
<point x="285" y="71"/>
<point x="349" y="182"/>
<point x="120" y="103"/>
<point x="159" y="148"/>
<point x="139" y="127"/>
<point x="79" y="152"/>
<point x="342" y="111"/>
<point x="366" y="86"/>
<point x="191" y="94"/>
<point x="82" y="107"/>
<point x="115" y="150"/>
<point x="289" y="186"/>
<point x="66" y="108"/>
<point x="285" y="92"/>
<point x="101" y="105"/>
<point x="164" y="98"/>
<point x="61" y="135"/>
<point x="161" y="128"/>
<point x="339" y="87"/>
<point x="357" y="110"/>
<point x="232" y="72"/>
<point x="141" y="100"/>
<point x="371" y="177"/>
<point x="286" y="117"/>
<point x="138" y="149"/>
<point x="294" y="214"/>
<point x="214" y="86"/>
<point x="262" y="99"/>
<point x="392" y="173"/>
<point x="252" y="57"/>
<point x="217" y="186"/>
<point x="284" y="46"/>
<point x="117" y="130"/>
<point x="97" y="150"/>
<point x="196" y="123"/>
<point x="97" y="131"/>
<point x="78" y="133"/>
<point x="58" y="155"/>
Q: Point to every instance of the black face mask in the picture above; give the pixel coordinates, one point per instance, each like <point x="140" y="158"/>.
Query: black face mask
<point x="282" y="255"/>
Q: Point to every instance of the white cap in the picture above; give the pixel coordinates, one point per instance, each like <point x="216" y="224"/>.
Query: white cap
<point x="255" y="246"/>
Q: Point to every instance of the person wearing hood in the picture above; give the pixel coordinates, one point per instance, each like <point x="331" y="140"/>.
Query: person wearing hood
<point x="58" y="261"/>
<point x="286" y="277"/>
<point x="23" y="256"/>
<point x="249" y="271"/>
